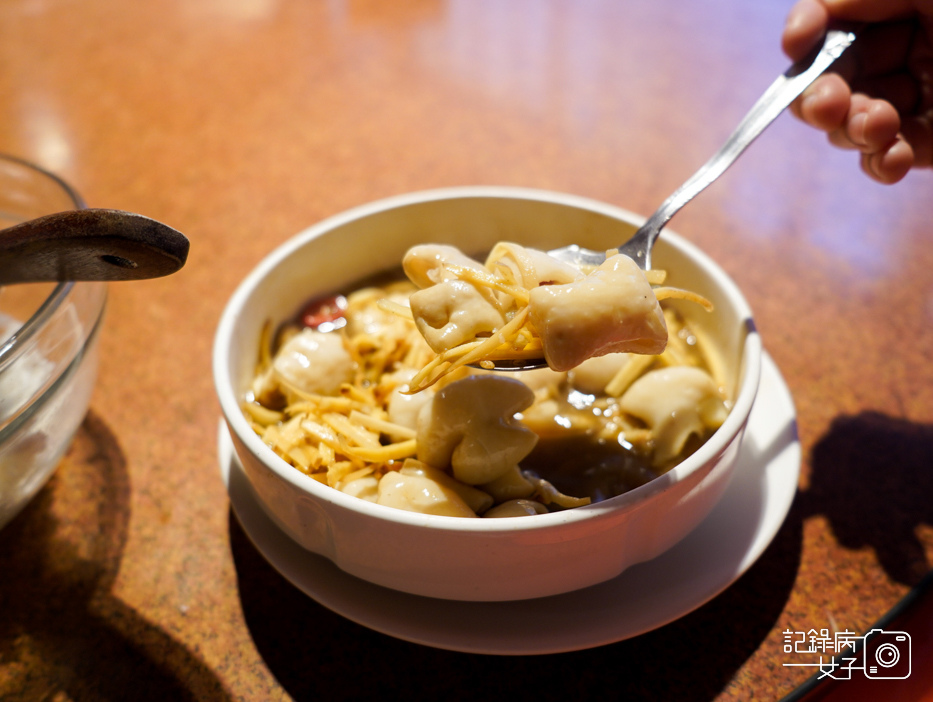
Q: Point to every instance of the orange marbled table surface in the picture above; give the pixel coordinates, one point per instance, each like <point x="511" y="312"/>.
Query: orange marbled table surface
<point x="241" y="122"/>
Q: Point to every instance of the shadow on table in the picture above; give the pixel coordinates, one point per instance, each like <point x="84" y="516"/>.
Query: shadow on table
<point x="315" y="653"/>
<point x="62" y="633"/>
<point x="872" y="477"/>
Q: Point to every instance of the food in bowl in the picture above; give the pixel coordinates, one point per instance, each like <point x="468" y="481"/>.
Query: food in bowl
<point x="478" y="559"/>
<point x="370" y="391"/>
<point x="522" y="303"/>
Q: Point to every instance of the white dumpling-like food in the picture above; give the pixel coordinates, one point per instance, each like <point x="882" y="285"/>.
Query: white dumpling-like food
<point x="675" y="403"/>
<point x="539" y="379"/>
<point x="417" y="487"/>
<point x="417" y="493"/>
<point x="511" y="485"/>
<point x="531" y="267"/>
<point x="403" y="407"/>
<point x="369" y="318"/>
<point x="425" y="265"/>
<point x="314" y="362"/>
<point x="470" y="425"/>
<point x="516" y="508"/>
<point x="612" y="309"/>
<point x="453" y="312"/>
<point x="364" y="488"/>
<point x="593" y="375"/>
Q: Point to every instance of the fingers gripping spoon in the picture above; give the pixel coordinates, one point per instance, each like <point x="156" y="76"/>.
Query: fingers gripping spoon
<point x="770" y="105"/>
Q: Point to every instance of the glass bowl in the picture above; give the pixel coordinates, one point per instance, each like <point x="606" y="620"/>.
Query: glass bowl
<point x="48" y="348"/>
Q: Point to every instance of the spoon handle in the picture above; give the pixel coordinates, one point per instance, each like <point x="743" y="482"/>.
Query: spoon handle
<point x="772" y="103"/>
<point x="90" y="244"/>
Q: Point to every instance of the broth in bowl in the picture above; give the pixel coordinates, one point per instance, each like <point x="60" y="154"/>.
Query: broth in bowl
<point x="476" y="559"/>
<point x="372" y="391"/>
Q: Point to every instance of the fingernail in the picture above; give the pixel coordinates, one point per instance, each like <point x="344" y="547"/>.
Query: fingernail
<point x="856" y="129"/>
<point x="895" y="163"/>
<point x="809" y="97"/>
<point x="793" y="17"/>
<point x="889" y="166"/>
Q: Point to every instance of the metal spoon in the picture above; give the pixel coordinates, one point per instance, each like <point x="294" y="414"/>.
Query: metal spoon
<point x="90" y="244"/>
<point x="775" y="100"/>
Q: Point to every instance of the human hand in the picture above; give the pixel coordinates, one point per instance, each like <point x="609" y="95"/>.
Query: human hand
<point x="879" y="97"/>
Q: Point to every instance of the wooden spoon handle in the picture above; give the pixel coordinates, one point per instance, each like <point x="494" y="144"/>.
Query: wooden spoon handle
<point x="92" y="244"/>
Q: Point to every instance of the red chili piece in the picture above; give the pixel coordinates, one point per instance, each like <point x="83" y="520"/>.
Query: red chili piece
<point x="325" y="309"/>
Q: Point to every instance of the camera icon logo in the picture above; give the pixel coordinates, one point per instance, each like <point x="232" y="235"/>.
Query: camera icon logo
<point x="886" y="655"/>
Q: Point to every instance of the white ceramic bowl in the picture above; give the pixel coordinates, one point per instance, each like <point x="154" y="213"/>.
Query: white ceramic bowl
<point x="478" y="559"/>
<point x="48" y="349"/>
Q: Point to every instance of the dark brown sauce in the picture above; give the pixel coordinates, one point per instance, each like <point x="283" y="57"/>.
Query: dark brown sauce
<point x="573" y="460"/>
<point x="582" y="466"/>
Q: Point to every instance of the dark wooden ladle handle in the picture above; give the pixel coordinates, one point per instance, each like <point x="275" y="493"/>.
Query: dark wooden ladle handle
<point x="90" y="244"/>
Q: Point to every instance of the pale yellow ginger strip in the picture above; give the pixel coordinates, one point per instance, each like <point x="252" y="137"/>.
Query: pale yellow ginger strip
<point x="357" y="434"/>
<point x="327" y="452"/>
<point x="673" y="321"/>
<point x="381" y="425"/>
<point x="527" y="339"/>
<point x="338" y="471"/>
<point x="291" y="389"/>
<point x="262" y="415"/>
<point x="547" y="494"/>
<point x="360" y="394"/>
<point x="508" y="353"/>
<point x="655" y="276"/>
<point x="516" y="351"/>
<point x="270" y="435"/>
<point x="475" y="354"/>
<point x="638" y="437"/>
<point x="290" y="432"/>
<point x="363" y="296"/>
<point x="357" y="474"/>
<point x="668" y="293"/>
<point x="438" y="360"/>
<point x="458" y="351"/>
<point x="503" y="272"/>
<point x="303" y="457"/>
<point x="389" y="452"/>
<point x="626" y="375"/>
<point x="427" y="376"/>
<point x="324" y="403"/>
<point x="498" y="338"/>
<point x="256" y="426"/>
<point x="265" y="346"/>
<point x="320" y="433"/>
<point x="329" y="440"/>
<point x="393" y="307"/>
<point x="678" y="351"/>
<point x="476" y="277"/>
<point x="418" y="356"/>
<point x="675" y="355"/>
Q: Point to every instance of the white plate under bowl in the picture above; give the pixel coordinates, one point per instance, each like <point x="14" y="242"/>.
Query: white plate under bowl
<point x="642" y="598"/>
